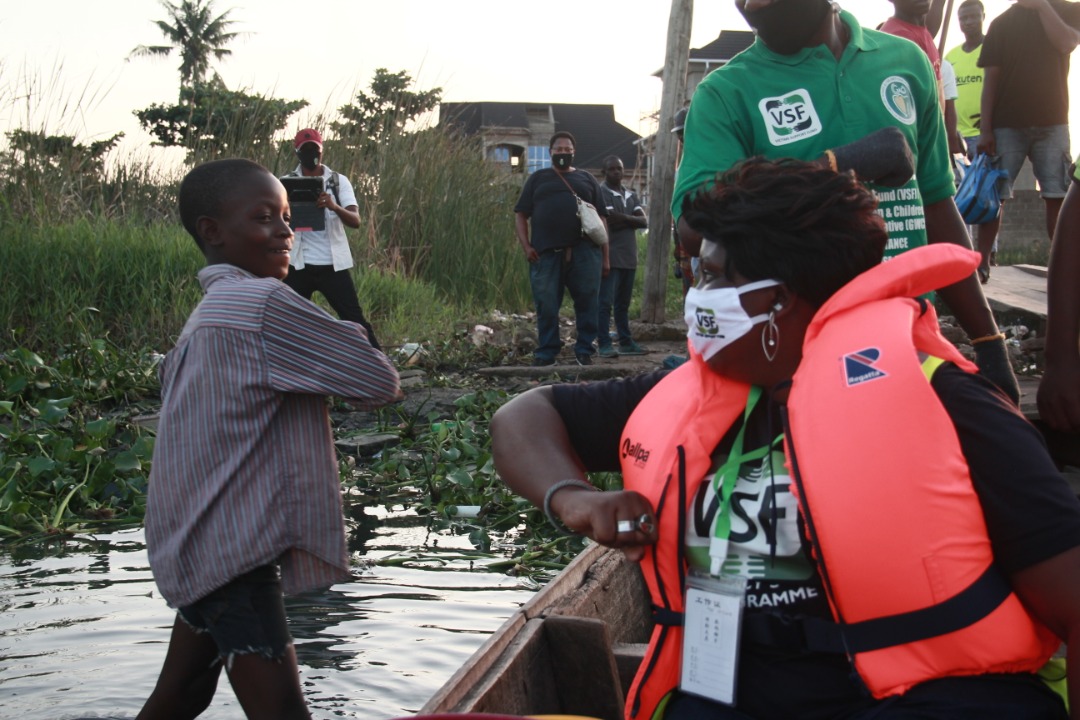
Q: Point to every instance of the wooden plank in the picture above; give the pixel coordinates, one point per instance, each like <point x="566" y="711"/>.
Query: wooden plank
<point x="479" y="665"/>
<point x="587" y="677"/>
<point x="598" y="596"/>
<point x="612" y="590"/>
<point x="521" y="682"/>
<point x="1017" y="290"/>
<point x="565" y="583"/>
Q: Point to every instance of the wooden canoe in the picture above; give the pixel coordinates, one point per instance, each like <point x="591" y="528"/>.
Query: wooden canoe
<point x="571" y="650"/>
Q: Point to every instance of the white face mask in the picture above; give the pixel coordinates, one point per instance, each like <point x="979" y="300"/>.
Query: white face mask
<point x="715" y="318"/>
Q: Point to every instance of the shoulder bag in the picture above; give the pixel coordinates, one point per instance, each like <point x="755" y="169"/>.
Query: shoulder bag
<point x="592" y="226"/>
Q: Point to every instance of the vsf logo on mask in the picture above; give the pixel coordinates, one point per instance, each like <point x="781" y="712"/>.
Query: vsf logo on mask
<point x="790" y="117"/>
<point x="706" y="322"/>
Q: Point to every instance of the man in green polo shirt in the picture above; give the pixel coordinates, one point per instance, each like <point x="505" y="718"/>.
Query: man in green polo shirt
<point x="817" y="85"/>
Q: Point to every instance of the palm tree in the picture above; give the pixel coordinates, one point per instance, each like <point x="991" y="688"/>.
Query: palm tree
<point x="196" y="34"/>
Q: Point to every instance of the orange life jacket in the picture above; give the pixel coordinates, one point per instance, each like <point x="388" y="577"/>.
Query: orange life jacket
<point x="858" y="402"/>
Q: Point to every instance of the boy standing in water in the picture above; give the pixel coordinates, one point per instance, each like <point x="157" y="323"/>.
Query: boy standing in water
<point x="244" y="500"/>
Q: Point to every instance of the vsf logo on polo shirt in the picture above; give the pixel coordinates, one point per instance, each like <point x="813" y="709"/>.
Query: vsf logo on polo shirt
<point x="790" y="117"/>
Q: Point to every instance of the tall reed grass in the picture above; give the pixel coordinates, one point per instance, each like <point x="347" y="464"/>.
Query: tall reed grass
<point x="103" y="252"/>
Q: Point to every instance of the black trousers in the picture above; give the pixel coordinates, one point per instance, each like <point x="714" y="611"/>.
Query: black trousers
<point x="337" y="287"/>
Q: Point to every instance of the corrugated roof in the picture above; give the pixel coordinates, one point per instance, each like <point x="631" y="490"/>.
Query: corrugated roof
<point x="727" y="45"/>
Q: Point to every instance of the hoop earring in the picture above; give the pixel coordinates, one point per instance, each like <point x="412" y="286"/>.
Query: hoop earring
<point x="770" y="338"/>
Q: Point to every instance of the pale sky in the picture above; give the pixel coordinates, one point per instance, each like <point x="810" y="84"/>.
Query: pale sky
<point x="63" y="69"/>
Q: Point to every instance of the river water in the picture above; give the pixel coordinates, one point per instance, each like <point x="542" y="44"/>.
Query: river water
<point x="83" y="631"/>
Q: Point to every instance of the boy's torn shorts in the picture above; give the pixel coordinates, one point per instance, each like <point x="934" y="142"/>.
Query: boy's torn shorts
<point x="246" y="616"/>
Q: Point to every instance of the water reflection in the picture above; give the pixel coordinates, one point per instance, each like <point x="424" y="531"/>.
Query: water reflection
<point x="83" y="630"/>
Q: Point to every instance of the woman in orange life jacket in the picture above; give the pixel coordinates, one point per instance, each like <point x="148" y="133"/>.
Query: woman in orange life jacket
<point x="826" y="458"/>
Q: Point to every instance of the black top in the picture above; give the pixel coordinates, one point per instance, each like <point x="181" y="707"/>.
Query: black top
<point x="1030" y="512"/>
<point x="1032" y="90"/>
<point x="552" y="208"/>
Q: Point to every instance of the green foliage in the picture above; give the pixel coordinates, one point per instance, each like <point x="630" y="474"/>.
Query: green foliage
<point x="133" y="284"/>
<point x="49" y="178"/>
<point x="440" y="213"/>
<point x="443" y="468"/>
<point x="63" y="462"/>
<point x="211" y="120"/>
<point x="383" y="113"/>
<point x="196" y="34"/>
<point x="59" y="154"/>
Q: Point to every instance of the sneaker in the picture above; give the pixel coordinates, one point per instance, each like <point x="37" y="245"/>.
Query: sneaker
<point x="631" y="348"/>
<point x="584" y="359"/>
<point x="609" y="351"/>
<point x="543" y="361"/>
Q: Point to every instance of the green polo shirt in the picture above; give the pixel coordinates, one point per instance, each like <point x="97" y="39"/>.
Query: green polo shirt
<point x="969" y="82"/>
<point x="762" y="103"/>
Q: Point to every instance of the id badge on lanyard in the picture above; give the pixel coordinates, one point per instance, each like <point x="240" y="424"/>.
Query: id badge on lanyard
<point x="712" y="623"/>
<point x="713" y="605"/>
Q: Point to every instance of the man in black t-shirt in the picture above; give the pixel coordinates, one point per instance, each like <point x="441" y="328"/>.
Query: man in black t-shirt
<point x="560" y="256"/>
<point x="1025" y="100"/>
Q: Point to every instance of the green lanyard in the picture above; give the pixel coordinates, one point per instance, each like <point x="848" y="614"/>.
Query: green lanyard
<point x="724" y="483"/>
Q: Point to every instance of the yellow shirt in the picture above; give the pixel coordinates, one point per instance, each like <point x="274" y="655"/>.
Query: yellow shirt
<point x="969" y="80"/>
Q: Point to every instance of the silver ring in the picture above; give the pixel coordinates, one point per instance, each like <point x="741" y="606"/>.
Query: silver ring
<point x="645" y="523"/>
<point x="626" y="526"/>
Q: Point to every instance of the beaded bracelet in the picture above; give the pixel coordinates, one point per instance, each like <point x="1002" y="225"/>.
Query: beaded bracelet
<point x="988" y="338"/>
<point x="551" y="492"/>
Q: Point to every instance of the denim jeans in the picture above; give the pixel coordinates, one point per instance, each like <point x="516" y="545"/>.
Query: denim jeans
<point x="615" y="293"/>
<point x="1048" y="150"/>
<point x="244" y="616"/>
<point x="551" y="276"/>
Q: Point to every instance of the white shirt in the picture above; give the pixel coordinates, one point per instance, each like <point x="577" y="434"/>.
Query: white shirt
<point x="948" y="80"/>
<point x="329" y="246"/>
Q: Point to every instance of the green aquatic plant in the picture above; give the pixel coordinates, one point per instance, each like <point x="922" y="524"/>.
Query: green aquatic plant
<point x="71" y="456"/>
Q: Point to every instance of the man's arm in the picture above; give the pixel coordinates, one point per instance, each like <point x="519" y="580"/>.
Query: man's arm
<point x="1059" y="391"/>
<point x="350" y="215"/>
<point x="965" y="298"/>
<point x="521" y="228"/>
<point x="967" y="302"/>
<point x="956" y="143"/>
<point x="991" y="78"/>
<point x="1063" y="37"/>
<point x="948" y="85"/>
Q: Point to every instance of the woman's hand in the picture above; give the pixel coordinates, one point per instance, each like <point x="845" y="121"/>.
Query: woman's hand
<point x="621" y="518"/>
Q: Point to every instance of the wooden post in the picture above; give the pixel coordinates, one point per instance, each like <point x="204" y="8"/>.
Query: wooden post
<point x="659" y="252"/>
<point x="945" y="27"/>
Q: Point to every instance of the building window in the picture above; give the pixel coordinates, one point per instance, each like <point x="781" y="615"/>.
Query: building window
<point x="508" y="157"/>
<point x="539" y="158"/>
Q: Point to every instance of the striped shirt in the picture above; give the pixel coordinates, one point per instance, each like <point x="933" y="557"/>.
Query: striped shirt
<point x="244" y="470"/>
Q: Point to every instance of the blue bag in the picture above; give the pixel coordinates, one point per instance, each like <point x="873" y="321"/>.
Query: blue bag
<point x="977" y="198"/>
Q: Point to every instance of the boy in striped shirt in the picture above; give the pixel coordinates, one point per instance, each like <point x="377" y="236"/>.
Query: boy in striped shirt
<point x="244" y="500"/>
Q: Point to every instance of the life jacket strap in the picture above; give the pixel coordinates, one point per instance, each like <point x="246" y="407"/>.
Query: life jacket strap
<point x="820" y="635"/>
<point x="666" y="616"/>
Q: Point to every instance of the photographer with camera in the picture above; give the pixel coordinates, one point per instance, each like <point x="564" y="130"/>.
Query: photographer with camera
<point x="321" y="259"/>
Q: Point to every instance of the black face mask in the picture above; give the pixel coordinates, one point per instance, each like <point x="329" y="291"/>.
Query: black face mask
<point x="563" y="161"/>
<point x="309" y="157"/>
<point x="787" y="25"/>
